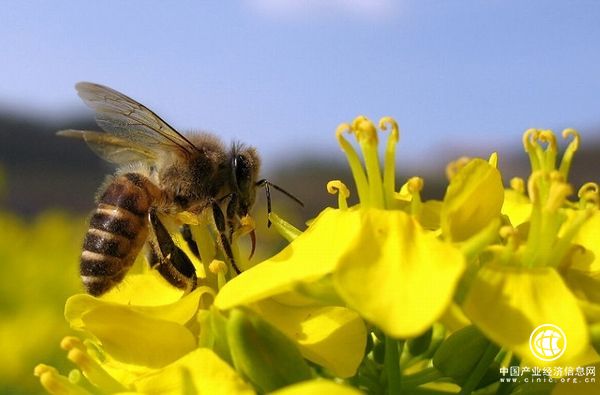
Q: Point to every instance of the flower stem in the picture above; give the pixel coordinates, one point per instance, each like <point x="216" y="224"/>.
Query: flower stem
<point x="392" y="365"/>
<point x="424" y="376"/>
<point x="477" y="374"/>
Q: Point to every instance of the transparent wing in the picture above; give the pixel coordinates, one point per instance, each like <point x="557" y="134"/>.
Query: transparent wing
<point x="112" y="148"/>
<point x="131" y="121"/>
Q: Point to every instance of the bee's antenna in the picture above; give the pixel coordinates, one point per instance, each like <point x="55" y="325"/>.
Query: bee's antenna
<point x="267" y="184"/>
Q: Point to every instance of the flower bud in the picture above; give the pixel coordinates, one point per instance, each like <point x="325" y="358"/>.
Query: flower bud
<point x="263" y="354"/>
<point x="458" y="355"/>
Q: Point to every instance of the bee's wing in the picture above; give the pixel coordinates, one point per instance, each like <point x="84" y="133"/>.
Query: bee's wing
<point x="112" y="148"/>
<point x="131" y="121"/>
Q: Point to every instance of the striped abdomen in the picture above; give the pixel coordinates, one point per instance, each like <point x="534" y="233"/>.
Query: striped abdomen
<point x="118" y="229"/>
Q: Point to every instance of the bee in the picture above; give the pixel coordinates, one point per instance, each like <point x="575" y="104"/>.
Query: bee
<point x="161" y="172"/>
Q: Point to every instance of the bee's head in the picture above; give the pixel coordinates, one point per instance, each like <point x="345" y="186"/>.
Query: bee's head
<point x="245" y="166"/>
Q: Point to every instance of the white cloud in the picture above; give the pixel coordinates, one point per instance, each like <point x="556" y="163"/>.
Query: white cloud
<point x="310" y="8"/>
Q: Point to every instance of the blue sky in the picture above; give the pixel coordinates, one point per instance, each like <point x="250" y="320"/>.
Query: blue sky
<point x="282" y="75"/>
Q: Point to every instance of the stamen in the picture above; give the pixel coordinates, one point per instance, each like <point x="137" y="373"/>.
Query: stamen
<point x="55" y="383"/>
<point x="551" y="151"/>
<point x="206" y="245"/>
<point x="530" y="143"/>
<point x="366" y="134"/>
<point x="91" y="369"/>
<point x="364" y="130"/>
<point x="414" y="186"/>
<point x="337" y="186"/>
<point x="572" y="147"/>
<point x="285" y="229"/>
<point x="454" y="167"/>
<point x="219" y="268"/>
<point x="517" y="184"/>
<point x="589" y="194"/>
<point x="389" y="164"/>
<point x="558" y="192"/>
<point x="247" y="226"/>
<point x="360" y="179"/>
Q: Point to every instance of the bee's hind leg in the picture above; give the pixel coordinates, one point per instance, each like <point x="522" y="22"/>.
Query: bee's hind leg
<point x="170" y="261"/>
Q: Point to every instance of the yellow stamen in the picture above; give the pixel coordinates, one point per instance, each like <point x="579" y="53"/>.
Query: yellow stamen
<point x="589" y="194"/>
<point x="567" y="159"/>
<point x="206" y="245"/>
<point x="337" y="186"/>
<point x="247" y="225"/>
<point x="360" y="178"/>
<point x="366" y="134"/>
<point x="219" y="268"/>
<point x="548" y="156"/>
<point x="558" y="192"/>
<point x="186" y="217"/>
<point x="55" y="383"/>
<point x="91" y="369"/>
<point x="364" y="130"/>
<point x="415" y="186"/>
<point x="530" y="143"/>
<point x="285" y="229"/>
<point x="389" y="164"/>
<point x="517" y="184"/>
<point x="511" y="235"/>
<point x="454" y="167"/>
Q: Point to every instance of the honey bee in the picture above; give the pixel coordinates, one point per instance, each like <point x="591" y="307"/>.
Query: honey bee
<point x="161" y="172"/>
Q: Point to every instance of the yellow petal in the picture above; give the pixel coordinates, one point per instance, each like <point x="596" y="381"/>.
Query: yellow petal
<point x="517" y="207"/>
<point x="179" y="312"/>
<point x="309" y="257"/>
<point x="397" y="275"/>
<point x="473" y="198"/>
<point x="144" y="289"/>
<point x="130" y="335"/>
<point x="199" y="372"/>
<point x="333" y="337"/>
<point x="317" y="386"/>
<point x="507" y="303"/>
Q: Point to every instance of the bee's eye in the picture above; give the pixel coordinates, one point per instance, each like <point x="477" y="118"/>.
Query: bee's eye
<point x="241" y="170"/>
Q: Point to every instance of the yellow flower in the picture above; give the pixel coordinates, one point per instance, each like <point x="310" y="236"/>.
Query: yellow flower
<point x="381" y="262"/>
<point x="519" y="286"/>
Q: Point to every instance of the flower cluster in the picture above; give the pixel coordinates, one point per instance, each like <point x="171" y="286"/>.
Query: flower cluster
<point x="392" y="295"/>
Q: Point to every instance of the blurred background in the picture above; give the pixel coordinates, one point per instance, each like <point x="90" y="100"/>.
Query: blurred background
<point x="461" y="78"/>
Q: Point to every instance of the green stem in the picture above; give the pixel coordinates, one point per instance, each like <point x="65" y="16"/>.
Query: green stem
<point x="392" y="365"/>
<point x="426" y="375"/>
<point x="477" y="374"/>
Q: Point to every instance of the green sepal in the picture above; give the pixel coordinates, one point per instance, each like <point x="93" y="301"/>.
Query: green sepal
<point x="262" y="353"/>
<point x="214" y="333"/>
<point x="458" y="355"/>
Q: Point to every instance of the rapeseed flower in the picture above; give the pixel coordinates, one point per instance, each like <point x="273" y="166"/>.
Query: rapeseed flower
<point x="392" y="294"/>
<point x="520" y="283"/>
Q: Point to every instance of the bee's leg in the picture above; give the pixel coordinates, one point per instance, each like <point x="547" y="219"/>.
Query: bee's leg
<point x="223" y="239"/>
<point x="232" y="209"/>
<point x="186" y="233"/>
<point x="170" y="261"/>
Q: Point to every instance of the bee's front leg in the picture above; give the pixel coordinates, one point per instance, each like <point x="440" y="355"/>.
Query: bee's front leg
<point x="224" y="241"/>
